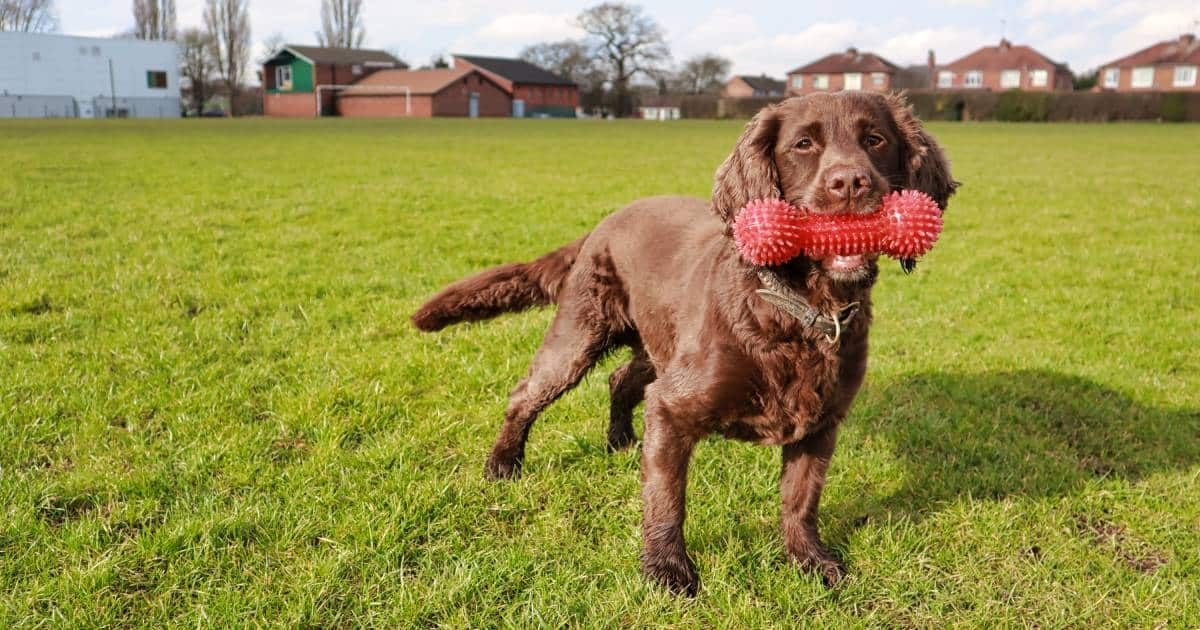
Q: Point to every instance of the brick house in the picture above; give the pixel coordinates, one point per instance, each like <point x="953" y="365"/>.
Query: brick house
<point x="1005" y="67"/>
<point x="534" y="91"/>
<point x="849" y="70"/>
<point x="295" y="77"/>
<point x="1168" y="66"/>
<point x="461" y="92"/>
<point x="747" y="86"/>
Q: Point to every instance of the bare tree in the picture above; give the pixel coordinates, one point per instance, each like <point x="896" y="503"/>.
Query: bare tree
<point x="703" y="73"/>
<point x="627" y="42"/>
<point x="196" y="65"/>
<point x="153" y="19"/>
<point x="271" y="45"/>
<point x="569" y="59"/>
<point x="228" y="24"/>
<point x="341" y="24"/>
<point x="30" y="16"/>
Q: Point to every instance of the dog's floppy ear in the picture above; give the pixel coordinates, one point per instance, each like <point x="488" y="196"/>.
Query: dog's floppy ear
<point x="749" y="172"/>
<point x="928" y="168"/>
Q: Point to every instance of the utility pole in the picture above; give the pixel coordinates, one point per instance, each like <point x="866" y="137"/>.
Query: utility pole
<point x="112" y="87"/>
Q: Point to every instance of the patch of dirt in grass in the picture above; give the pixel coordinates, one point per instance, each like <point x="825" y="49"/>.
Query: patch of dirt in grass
<point x="1096" y="466"/>
<point x="189" y="305"/>
<point x="288" y="449"/>
<point x="37" y="306"/>
<point x="1134" y="554"/>
<point x="57" y="509"/>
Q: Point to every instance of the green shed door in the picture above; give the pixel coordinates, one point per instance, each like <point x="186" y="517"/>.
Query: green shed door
<point x="302" y="76"/>
<point x="293" y="76"/>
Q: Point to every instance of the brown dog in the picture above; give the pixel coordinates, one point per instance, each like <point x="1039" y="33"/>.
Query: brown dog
<point x="772" y="356"/>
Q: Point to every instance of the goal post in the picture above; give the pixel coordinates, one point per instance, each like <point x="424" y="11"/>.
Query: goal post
<point x="334" y="87"/>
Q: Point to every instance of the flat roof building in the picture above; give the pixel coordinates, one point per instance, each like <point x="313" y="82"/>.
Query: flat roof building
<point x="63" y="76"/>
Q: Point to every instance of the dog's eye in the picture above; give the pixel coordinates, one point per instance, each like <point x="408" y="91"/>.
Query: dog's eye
<point x="874" y="140"/>
<point x="804" y="144"/>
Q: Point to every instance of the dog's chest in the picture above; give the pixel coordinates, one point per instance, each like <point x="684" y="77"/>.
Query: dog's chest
<point x="790" y="398"/>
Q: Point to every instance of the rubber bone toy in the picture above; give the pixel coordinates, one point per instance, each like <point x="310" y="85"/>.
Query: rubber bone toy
<point x="773" y="231"/>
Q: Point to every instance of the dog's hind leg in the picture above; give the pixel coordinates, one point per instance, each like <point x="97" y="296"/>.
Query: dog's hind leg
<point x="573" y="344"/>
<point x="627" y="389"/>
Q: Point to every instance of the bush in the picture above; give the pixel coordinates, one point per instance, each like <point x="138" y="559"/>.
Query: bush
<point x="1016" y="105"/>
<point x="1173" y="107"/>
<point x="1019" y="106"/>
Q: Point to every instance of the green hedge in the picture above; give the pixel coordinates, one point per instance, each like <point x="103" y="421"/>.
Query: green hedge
<point x="1017" y="105"/>
<point x="1011" y="105"/>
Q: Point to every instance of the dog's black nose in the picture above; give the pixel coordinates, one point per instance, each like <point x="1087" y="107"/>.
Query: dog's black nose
<point x="847" y="183"/>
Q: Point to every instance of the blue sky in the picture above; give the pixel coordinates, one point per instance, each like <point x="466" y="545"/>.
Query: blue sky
<point x="759" y="36"/>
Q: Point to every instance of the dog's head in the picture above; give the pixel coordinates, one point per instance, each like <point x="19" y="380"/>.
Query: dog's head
<point x="833" y="153"/>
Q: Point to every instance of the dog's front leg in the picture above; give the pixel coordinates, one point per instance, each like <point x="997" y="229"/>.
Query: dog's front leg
<point x="803" y="478"/>
<point x="666" y="449"/>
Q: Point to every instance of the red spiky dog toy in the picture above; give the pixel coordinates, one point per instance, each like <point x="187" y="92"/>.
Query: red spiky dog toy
<point x="773" y="231"/>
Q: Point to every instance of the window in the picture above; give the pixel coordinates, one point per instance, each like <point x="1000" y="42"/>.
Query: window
<point x="1010" y="79"/>
<point x="1037" y="78"/>
<point x="798" y="81"/>
<point x="878" y="80"/>
<point x="356" y="69"/>
<point x="852" y="81"/>
<point x="974" y="79"/>
<point x="156" y="79"/>
<point x="821" y="81"/>
<point x="945" y="79"/>
<point x="1143" y="77"/>
<point x="1185" y="76"/>
<point x="283" y="77"/>
<point x="1112" y="77"/>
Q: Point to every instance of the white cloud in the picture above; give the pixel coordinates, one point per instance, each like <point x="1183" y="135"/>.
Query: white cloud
<point x="1160" y="24"/>
<point x="1035" y="8"/>
<point x="724" y="25"/>
<point x="947" y="42"/>
<point x="779" y="53"/>
<point x="525" y="28"/>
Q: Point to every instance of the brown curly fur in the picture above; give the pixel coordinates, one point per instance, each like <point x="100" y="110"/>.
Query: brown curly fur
<point x="662" y="277"/>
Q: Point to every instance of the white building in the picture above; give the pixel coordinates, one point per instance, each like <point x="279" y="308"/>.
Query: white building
<point x="63" y="76"/>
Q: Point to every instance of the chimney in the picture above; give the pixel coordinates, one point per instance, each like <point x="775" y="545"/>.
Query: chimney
<point x="1005" y="44"/>
<point x="852" y="52"/>
<point x="932" y="64"/>
<point x="1187" y="39"/>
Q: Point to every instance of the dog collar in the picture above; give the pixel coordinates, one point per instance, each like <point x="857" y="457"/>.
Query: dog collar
<point x="791" y="302"/>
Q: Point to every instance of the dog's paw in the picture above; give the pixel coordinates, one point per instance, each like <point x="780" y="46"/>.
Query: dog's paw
<point x="815" y="559"/>
<point x="675" y="572"/>
<point x="501" y="469"/>
<point x="620" y="440"/>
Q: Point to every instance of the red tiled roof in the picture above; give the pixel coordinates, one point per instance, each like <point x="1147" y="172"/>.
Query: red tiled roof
<point x="852" y="60"/>
<point x="763" y="83"/>
<point x="1006" y="56"/>
<point x="1185" y="50"/>
<point x="417" y="81"/>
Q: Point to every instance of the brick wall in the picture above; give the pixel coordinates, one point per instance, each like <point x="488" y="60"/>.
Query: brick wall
<point x="1055" y="80"/>
<point x="297" y="105"/>
<point x="379" y="106"/>
<point x="556" y="95"/>
<point x="837" y="81"/>
<point x="454" y="99"/>
<point x="737" y="88"/>
<point x="1164" y="81"/>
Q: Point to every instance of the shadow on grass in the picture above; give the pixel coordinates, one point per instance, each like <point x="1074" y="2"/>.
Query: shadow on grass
<point x="998" y="434"/>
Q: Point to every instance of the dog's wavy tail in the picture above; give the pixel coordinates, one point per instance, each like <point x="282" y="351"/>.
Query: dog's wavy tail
<point x="504" y="289"/>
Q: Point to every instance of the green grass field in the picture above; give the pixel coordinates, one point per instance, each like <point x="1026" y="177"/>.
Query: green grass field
<point x="213" y="410"/>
